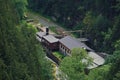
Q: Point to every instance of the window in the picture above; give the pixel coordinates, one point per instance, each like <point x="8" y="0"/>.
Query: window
<point x="65" y="50"/>
<point x="63" y="47"/>
<point x="60" y="45"/>
<point x="68" y="51"/>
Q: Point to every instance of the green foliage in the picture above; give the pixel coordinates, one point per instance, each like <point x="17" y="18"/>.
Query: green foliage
<point x="59" y="55"/>
<point x="95" y="17"/>
<point x="100" y="20"/>
<point x="73" y="66"/>
<point x="112" y="35"/>
<point x="117" y="76"/>
<point x="42" y="67"/>
<point x="117" y="6"/>
<point x="53" y="29"/>
<point x="19" y="55"/>
<point x="115" y="61"/>
<point x="20" y="6"/>
<point x="88" y="19"/>
<point x="99" y="73"/>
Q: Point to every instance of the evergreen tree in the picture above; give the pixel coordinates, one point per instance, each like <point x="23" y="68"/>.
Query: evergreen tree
<point x="21" y="57"/>
<point x="114" y="73"/>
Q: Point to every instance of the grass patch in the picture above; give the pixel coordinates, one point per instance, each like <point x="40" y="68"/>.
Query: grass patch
<point x="53" y="29"/>
<point x="59" y="55"/>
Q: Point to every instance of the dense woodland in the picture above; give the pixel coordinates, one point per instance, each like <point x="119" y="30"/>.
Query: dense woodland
<point x="22" y="57"/>
<point x="99" y="19"/>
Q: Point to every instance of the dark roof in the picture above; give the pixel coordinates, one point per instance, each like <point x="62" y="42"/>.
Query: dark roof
<point x="71" y="43"/>
<point x="50" y="38"/>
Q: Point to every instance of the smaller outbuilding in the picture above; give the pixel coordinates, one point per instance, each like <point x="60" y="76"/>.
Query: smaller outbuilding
<point x="39" y="35"/>
<point x="97" y="60"/>
<point x="50" y="42"/>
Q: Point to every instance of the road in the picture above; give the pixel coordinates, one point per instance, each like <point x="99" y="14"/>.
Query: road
<point x="42" y="21"/>
<point x="46" y="22"/>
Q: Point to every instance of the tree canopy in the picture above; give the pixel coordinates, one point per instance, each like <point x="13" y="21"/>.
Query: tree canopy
<point x="21" y="56"/>
<point x="73" y="66"/>
<point x="95" y="17"/>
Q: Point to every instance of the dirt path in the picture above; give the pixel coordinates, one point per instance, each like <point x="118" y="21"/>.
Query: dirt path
<point x="42" y="21"/>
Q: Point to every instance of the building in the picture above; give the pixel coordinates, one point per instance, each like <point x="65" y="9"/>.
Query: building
<point x="50" y="42"/>
<point x="97" y="60"/>
<point x="39" y="35"/>
<point x="68" y="43"/>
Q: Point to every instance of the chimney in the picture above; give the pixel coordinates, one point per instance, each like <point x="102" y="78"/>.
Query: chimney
<point x="47" y="31"/>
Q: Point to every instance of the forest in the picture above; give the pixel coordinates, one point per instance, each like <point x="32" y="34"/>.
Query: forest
<point x="98" y="18"/>
<point x="22" y="56"/>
